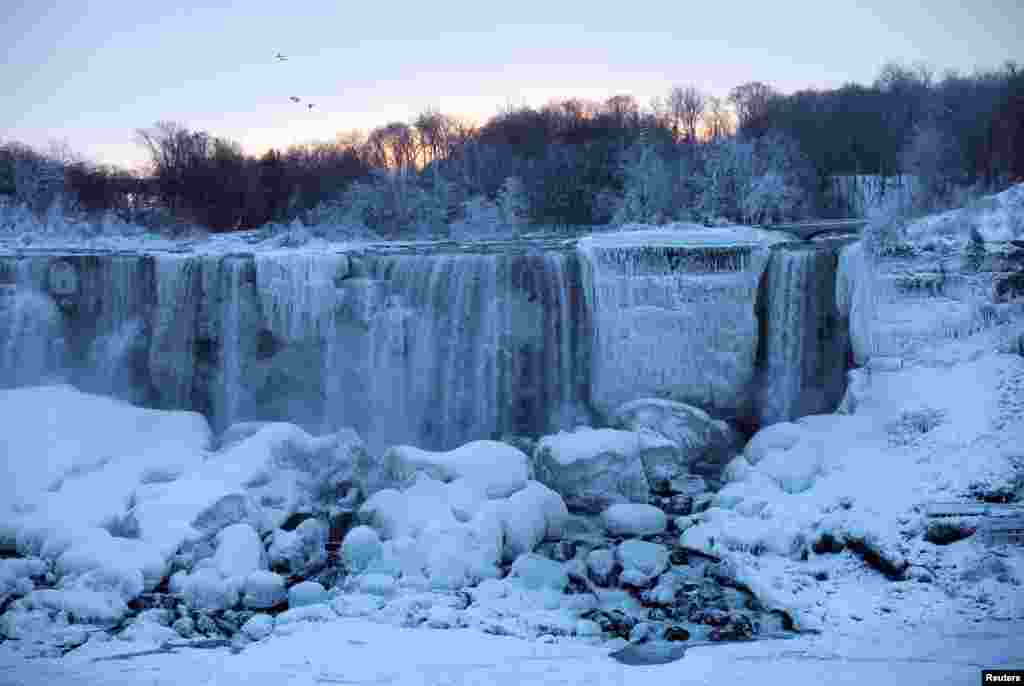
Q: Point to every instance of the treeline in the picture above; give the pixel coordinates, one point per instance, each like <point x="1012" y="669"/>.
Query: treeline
<point x="756" y="156"/>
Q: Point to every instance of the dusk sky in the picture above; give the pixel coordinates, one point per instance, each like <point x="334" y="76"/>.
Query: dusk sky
<point x="90" y="72"/>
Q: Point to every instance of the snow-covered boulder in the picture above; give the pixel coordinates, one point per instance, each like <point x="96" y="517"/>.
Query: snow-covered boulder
<point x="774" y="438"/>
<point x="238" y="432"/>
<point x="641" y="561"/>
<point x="538" y="573"/>
<point x="495" y="469"/>
<point x="16" y="575"/>
<point x="601" y="566"/>
<point x="294" y="551"/>
<point x="306" y="593"/>
<point x="207" y="589"/>
<point x="258" y="627"/>
<point x="360" y="547"/>
<point x="594" y="468"/>
<point x="530" y="516"/>
<point x="396" y="513"/>
<point x="263" y="590"/>
<point x="632" y="519"/>
<point x="239" y="551"/>
<point x="704" y="444"/>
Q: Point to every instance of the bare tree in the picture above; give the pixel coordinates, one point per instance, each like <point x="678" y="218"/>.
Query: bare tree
<point x="751" y="102"/>
<point x="717" y="119"/>
<point x="685" y="108"/>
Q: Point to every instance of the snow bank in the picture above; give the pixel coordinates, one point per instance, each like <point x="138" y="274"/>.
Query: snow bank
<point x="995" y="218"/>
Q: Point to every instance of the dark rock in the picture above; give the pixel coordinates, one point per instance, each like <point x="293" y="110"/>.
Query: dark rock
<point x="559" y="551"/>
<point x="204" y="624"/>
<point x="678" y="556"/>
<point x="673" y="505"/>
<point x="677" y="633"/>
<point x="737" y="628"/>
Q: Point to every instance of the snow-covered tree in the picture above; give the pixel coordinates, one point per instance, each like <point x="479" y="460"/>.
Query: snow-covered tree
<point x="513" y="202"/>
<point x="648" y="188"/>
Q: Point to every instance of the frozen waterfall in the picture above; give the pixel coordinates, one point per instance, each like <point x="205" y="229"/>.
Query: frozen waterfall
<point x="673" y="320"/>
<point x="434" y="347"/>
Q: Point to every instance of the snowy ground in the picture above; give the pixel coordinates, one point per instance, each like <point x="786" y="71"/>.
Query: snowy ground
<point x="354" y="651"/>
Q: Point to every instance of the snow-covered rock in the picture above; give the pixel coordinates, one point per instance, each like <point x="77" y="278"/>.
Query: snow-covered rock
<point x="631" y="519"/>
<point x="263" y="590"/>
<point x="594" y="468"/>
<point x="705" y="444"/>
<point x="641" y="561"/>
<point x="207" y="589"/>
<point x="16" y="575"/>
<point x="360" y="547"/>
<point x="396" y="513"/>
<point x="288" y="621"/>
<point x="258" y="627"/>
<point x="530" y="516"/>
<point x="601" y="565"/>
<point x="239" y="551"/>
<point x="306" y="593"/>
<point x="537" y="573"/>
<point x="495" y="469"/>
<point x="357" y="604"/>
<point x="376" y="584"/>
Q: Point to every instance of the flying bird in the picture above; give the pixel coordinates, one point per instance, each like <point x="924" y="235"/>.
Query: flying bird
<point x="294" y="99"/>
<point x="281" y="58"/>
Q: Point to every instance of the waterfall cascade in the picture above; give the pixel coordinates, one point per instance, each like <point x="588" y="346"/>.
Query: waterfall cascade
<point x="805" y="337"/>
<point x="432" y="348"/>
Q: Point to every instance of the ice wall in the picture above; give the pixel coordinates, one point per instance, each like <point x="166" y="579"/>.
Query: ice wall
<point x="674" y="319"/>
<point x="438" y="349"/>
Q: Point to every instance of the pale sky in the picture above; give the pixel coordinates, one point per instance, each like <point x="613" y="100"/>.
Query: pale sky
<point x="90" y="72"/>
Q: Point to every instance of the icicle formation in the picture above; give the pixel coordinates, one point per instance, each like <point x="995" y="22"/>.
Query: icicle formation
<point x="298" y="292"/>
<point x="673" y="320"/>
<point x="171" y="355"/>
<point x="436" y="350"/>
<point x="31" y="329"/>
<point x="806" y="339"/>
<point x="112" y="310"/>
<point x="238" y="325"/>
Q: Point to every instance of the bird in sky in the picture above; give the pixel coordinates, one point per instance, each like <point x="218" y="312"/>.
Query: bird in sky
<point x="295" y="99"/>
<point x="281" y="58"/>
